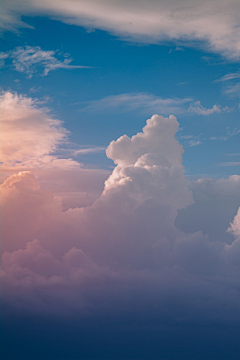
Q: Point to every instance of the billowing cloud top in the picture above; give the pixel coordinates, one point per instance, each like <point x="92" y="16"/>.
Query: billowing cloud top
<point x="125" y="243"/>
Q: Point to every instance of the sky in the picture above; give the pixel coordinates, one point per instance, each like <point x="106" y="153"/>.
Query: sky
<point x="120" y="179"/>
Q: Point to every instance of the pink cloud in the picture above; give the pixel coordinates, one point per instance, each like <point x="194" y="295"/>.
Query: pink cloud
<point x="29" y="134"/>
<point x="123" y="251"/>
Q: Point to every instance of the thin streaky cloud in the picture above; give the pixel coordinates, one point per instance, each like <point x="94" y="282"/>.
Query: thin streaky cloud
<point x="233" y="90"/>
<point x="227" y="136"/>
<point x="96" y="149"/>
<point x="134" y="101"/>
<point x="230" y="163"/>
<point x="150" y="102"/>
<point x="228" y="77"/>
<point x="3" y="56"/>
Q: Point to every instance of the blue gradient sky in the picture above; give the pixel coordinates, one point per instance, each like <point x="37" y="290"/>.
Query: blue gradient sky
<point x="165" y="71"/>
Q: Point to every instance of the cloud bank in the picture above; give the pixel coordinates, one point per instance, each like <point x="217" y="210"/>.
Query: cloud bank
<point x="191" y="22"/>
<point x="122" y="254"/>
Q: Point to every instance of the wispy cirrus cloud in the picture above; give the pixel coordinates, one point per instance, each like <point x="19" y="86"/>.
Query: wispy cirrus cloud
<point x="89" y="150"/>
<point x="230" y="163"/>
<point x="3" y="56"/>
<point x="233" y="87"/>
<point x="151" y="103"/>
<point x="191" y="140"/>
<point x="233" y="90"/>
<point x="194" y="23"/>
<point x="229" y="133"/>
<point x="228" y="77"/>
<point x="30" y="58"/>
<point x="143" y="101"/>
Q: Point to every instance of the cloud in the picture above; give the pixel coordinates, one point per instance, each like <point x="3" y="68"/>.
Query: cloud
<point x="32" y="208"/>
<point x="194" y="142"/>
<point x="190" y="140"/>
<point x="195" y="23"/>
<point x="235" y="225"/>
<point x="145" y="102"/>
<point x="3" y="56"/>
<point x="124" y="251"/>
<point x="230" y="163"/>
<point x="36" y="265"/>
<point x="28" y="59"/>
<point x="216" y="202"/>
<point x="228" y="77"/>
<point x="31" y="138"/>
<point x="233" y="90"/>
<point x="173" y="276"/>
<point x="75" y="186"/>
<point x="153" y="157"/>
<point x="123" y="256"/>
<point x="200" y="110"/>
<point x="149" y="103"/>
<point x="29" y="134"/>
<point x="148" y="169"/>
<point x="89" y="150"/>
<point x="229" y="133"/>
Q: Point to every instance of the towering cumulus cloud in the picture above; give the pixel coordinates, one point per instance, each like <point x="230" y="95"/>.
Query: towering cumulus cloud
<point x="123" y="252"/>
<point x="149" y="165"/>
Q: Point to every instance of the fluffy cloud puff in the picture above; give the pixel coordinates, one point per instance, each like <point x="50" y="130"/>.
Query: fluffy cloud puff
<point x="149" y="178"/>
<point x="123" y="252"/>
<point x="146" y="21"/>
<point x="29" y="135"/>
<point x="235" y="225"/>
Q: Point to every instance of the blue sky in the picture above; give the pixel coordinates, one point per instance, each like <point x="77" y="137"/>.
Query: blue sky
<point x="154" y="71"/>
